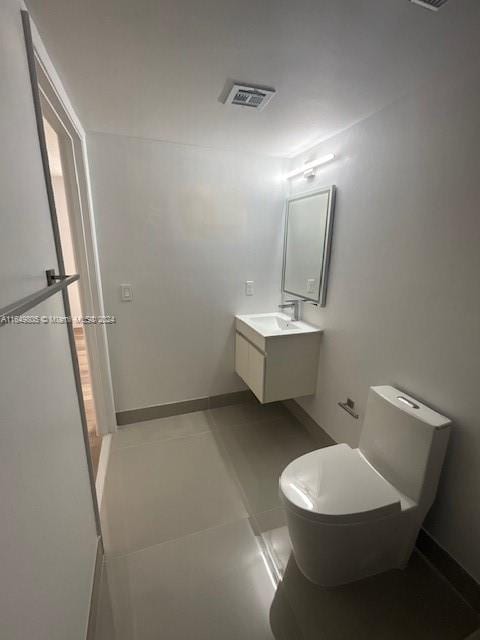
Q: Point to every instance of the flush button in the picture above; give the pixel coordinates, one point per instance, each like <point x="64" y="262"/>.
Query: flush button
<point x="408" y="402"/>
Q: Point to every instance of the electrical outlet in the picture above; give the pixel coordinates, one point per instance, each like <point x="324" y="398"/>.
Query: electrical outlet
<point x="249" y="288"/>
<point x="126" y="292"/>
<point x="310" y="285"/>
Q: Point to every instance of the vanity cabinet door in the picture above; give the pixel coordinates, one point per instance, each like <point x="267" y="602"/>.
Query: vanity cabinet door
<point x="250" y="365"/>
<point x="256" y="371"/>
<point x="241" y="357"/>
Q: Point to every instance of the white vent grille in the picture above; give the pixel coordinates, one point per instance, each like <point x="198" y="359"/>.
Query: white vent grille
<point x="433" y="5"/>
<point x="248" y="96"/>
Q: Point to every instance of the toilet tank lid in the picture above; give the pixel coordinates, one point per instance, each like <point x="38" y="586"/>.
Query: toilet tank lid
<point x="412" y="406"/>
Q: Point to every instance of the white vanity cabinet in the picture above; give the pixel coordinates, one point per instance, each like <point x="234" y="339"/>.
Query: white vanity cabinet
<point x="275" y="357"/>
<point x="250" y="365"/>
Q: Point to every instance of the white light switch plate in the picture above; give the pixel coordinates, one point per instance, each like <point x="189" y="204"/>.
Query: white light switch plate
<point x="249" y="287"/>
<point x="126" y="292"/>
<point x="310" y="285"/>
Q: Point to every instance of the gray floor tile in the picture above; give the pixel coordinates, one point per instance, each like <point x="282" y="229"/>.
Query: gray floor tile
<point x="259" y="451"/>
<point x="183" y="562"/>
<point x="108" y="616"/>
<point x="211" y="585"/>
<point x="413" y="604"/>
<point x="268" y="520"/>
<point x="162" y="429"/>
<point x="166" y="489"/>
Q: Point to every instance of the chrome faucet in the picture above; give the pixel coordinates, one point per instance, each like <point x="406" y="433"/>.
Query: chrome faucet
<point x="294" y="305"/>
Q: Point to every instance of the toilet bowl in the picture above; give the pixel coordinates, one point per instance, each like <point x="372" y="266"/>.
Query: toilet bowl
<point x="352" y="513"/>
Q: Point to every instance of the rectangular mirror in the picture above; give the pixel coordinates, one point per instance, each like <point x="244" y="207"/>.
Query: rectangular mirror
<point x="308" y="235"/>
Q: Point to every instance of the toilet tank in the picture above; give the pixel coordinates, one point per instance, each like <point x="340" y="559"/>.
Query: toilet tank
<point x="405" y="441"/>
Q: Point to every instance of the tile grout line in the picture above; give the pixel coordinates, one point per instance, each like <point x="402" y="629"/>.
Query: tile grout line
<point x="187" y="435"/>
<point x="157" y="440"/>
<point x="226" y="461"/>
<point x="118" y="556"/>
<point x="230" y="468"/>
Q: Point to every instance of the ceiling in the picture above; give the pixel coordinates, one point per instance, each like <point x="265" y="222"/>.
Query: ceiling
<point x="156" y="68"/>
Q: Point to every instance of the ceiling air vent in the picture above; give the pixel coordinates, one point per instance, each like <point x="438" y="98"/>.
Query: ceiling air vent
<point x="433" y="5"/>
<point x="248" y="96"/>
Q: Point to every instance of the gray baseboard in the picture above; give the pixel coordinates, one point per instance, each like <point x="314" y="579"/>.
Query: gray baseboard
<point x="320" y="436"/>
<point x="95" y="595"/>
<point x="451" y="570"/>
<point x="442" y="561"/>
<point x="185" y="406"/>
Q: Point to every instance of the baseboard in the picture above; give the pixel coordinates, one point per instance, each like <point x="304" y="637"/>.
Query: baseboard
<point x="320" y="436"/>
<point x="440" y="559"/>
<point x="185" y="406"/>
<point x="234" y="397"/>
<point x="452" y="571"/>
<point x="95" y="594"/>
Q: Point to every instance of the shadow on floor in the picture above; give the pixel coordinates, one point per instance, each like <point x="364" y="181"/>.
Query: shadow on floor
<point x="398" y="605"/>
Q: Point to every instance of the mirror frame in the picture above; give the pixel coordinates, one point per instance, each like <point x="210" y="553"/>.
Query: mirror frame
<point x="327" y="246"/>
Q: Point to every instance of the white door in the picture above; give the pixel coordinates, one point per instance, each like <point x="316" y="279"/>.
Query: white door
<point x="48" y="536"/>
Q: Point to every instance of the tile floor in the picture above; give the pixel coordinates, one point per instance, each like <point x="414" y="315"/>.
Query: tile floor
<point x="196" y="547"/>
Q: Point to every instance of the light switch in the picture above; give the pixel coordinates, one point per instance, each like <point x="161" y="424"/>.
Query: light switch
<point x="126" y="292"/>
<point x="249" y="288"/>
<point x="310" y="285"/>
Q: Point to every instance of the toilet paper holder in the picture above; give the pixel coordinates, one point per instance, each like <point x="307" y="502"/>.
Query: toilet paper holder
<point x="349" y="407"/>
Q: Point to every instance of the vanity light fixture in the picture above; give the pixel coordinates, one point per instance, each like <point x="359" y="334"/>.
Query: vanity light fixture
<point x="308" y="169"/>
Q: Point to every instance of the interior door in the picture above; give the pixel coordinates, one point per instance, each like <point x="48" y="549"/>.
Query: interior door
<point x="49" y="532"/>
<point x="61" y="159"/>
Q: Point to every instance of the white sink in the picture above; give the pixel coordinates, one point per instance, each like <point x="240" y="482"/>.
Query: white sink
<point x="274" y="324"/>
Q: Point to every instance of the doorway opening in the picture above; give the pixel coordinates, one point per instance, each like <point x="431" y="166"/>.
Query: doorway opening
<point x="64" y="216"/>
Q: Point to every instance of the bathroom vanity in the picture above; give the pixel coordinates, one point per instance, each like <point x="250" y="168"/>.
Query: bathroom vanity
<point x="275" y="356"/>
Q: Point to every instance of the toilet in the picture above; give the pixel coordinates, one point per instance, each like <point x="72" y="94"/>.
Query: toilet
<point x="353" y="513"/>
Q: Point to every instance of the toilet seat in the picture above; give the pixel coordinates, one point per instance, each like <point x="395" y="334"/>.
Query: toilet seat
<point x="337" y="485"/>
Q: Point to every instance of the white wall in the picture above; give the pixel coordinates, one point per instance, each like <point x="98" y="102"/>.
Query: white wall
<point x="47" y="533"/>
<point x="403" y="304"/>
<point x="186" y="226"/>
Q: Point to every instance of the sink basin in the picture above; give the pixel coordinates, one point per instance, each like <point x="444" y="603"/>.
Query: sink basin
<point x="274" y="324"/>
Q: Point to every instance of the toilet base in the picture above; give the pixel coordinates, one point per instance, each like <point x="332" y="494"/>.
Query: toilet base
<point x="334" y="555"/>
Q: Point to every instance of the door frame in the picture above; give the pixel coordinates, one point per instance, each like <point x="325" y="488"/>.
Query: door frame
<point x="57" y="105"/>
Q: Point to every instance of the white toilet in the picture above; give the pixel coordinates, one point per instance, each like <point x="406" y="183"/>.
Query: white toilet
<point x="352" y="513"/>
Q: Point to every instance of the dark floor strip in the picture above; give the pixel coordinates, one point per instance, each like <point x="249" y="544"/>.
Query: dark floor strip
<point x="461" y="581"/>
